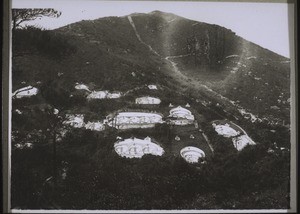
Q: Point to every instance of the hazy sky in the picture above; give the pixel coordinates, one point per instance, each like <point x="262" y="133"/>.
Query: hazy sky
<point x="265" y="24"/>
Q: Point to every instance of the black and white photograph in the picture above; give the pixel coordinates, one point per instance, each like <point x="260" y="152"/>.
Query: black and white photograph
<point x="151" y="106"/>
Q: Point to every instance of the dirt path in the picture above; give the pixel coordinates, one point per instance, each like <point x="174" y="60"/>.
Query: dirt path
<point x="179" y="56"/>
<point x="169" y="60"/>
<point x="194" y="84"/>
<point x="208" y="142"/>
<point x="139" y="37"/>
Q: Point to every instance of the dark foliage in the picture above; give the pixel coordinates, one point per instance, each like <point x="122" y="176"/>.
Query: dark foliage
<point x="36" y="40"/>
<point x="99" y="179"/>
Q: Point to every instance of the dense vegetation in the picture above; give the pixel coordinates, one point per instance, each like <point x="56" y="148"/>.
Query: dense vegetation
<point x="44" y="42"/>
<point x="82" y="171"/>
<point x="99" y="179"/>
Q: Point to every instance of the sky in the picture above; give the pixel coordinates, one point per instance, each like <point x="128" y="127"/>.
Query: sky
<point x="265" y="24"/>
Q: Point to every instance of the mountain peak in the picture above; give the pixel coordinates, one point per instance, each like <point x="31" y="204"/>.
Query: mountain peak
<point x="156" y="13"/>
<point x="161" y="13"/>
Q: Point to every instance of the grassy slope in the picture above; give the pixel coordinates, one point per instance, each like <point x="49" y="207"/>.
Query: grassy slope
<point x="272" y="73"/>
<point x="112" y="51"/>
<point x="108" y="52"/>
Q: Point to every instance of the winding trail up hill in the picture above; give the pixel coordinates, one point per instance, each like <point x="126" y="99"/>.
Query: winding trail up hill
<point x="166" y="49"/>
<point x="213" y="56"/>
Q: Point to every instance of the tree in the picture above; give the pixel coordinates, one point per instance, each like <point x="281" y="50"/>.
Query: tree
<point x="54" y="93"/>
<point x="22" y="15"/>
<point x="52" y="124"/>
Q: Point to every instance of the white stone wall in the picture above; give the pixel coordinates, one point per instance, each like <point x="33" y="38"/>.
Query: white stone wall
<point x="181" y="114"/>
<point x="75" y="120"/>
<point x="152" y="87"/>
<point x="192" y="154"/>
<point x="147" y="100"/>
<point x="135" y="120"/>
<point x="95" y="126"/>
<point x="225" y="130"/>
<point x="113" y="95"/>
<point x="180" y="122"/>
<point x="137" y="148"/>
<point x="25" y="92"/>
<point x="81" y="87"/>
<point x="242" y="141"/>
<point x="97" y="95"/>
<point x="104" y="95"/>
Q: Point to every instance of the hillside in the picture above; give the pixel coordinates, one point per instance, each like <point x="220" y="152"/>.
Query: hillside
<point x="254" y="78"/>
<point x="208" y="69"/>
<point x="245" y="73"/>
<point x="239" y="70"/>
